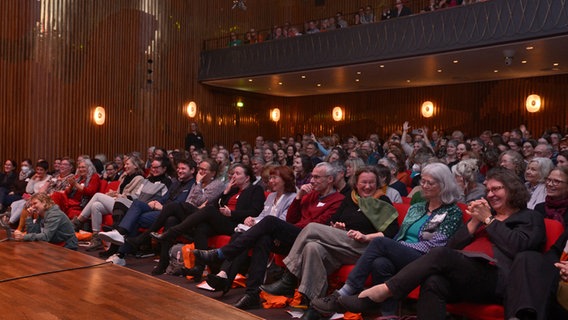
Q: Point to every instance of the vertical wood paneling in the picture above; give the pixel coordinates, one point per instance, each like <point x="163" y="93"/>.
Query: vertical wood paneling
<point x="61" y="58"/>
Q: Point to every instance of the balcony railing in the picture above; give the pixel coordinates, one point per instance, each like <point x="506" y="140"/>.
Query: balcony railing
<point x="482" y="24"/>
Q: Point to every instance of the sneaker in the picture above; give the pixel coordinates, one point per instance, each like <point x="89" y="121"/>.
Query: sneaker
<point x="115" y="259"/>
<point x="329" y="304"/>
<point x="95" y="244"/>
<point x="112" y="236"/>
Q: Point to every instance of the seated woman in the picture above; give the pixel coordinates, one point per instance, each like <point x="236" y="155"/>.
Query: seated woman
<point x="512" y="160"/>
<point x="240" y="200"/>
<point x="394" y="182"/>
<point x="144" y="211"/>
<point x="56" y="228"/>
<point x="35" y="184"/>
<point x="102" y="204"/>
<point x="303" y="167"/>
<point x="427" y="225"/>
<point x="320" y="250"/>
<point x="60" y="182"/>
<point x="8" y="179"/>
<point x="282" y="184"/>
<point x="465" y="173"/>
<point x="555" y="205"/>
<point x="79" y="191"/>
<point x="207" y="189"/>
<point x="535" y="175"/>
<point x="475" y="265"/>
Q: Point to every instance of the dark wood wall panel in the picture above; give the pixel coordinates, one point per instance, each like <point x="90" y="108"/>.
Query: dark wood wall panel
<point x="59" y="59"/>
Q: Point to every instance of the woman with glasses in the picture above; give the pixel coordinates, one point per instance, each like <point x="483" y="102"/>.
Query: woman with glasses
<point x="476" y="264"/>
<point x="426" y="225"/>
<point x="555" y="205"/>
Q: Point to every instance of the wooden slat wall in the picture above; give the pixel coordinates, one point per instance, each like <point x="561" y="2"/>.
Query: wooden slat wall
<point x="61" y="58"/>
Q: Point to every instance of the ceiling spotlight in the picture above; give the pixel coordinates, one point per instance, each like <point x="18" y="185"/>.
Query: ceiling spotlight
<point x="240" y="4"/>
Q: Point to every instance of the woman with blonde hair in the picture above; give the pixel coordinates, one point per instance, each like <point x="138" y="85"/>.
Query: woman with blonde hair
<point x="56" y="228"/>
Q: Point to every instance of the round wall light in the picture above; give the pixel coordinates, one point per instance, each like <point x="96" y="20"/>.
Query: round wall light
<point x="427" y="109"/>
<point x="191" y="109"/>
<point x="275" y="115"/>
<point x="337" y="114"/>
<point x="99" y="116"/>
<point x="533" y="103"/>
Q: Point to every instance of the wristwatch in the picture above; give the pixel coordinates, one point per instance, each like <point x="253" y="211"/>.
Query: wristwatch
<point x="488" y="220"/>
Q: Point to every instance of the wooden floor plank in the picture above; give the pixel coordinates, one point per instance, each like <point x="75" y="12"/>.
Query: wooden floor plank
<point x="102" y="292"/>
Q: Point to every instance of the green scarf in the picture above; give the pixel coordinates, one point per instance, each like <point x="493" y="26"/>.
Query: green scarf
<point x="380" y="213"/>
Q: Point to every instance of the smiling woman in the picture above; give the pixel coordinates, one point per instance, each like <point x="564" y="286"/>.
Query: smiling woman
<point x="478" y="257"/>
<point x="555" y="205"/>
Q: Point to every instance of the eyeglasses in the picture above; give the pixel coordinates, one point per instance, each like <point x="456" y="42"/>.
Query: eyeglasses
<point x="494" y="189"/>
<point x="426" y="183"/>
<point x="316" y="177"/>
<point x="554" y="182"/>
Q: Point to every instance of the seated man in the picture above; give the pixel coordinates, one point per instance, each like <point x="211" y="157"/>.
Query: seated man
<point x="315" y="202"/>
<point x="57" y="227"/>
<point x="142" y="214"/>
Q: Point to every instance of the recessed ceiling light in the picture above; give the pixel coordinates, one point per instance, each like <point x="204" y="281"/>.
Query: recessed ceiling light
<point x="495" y="70"/>
<point x="439" y="70"/>
<point x="407" y="81"/>
<point x="279" y="83"/>
<point x="556" y="64"/>
<point x="303" y="77"/>
<point x="456" y="61"/>
<point x="529" y="47"/>
<point x="250" y="80"/>
<point x="382" y="66"/>
<point x="524" y="61"/>
<point x="319" y="84"/>
<point x="358" y="72"/>
<point x="356" y="80"/>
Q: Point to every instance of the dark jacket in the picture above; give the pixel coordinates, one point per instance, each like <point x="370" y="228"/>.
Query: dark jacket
<point x="522" y="231"/>
<point x="250" y="202"/>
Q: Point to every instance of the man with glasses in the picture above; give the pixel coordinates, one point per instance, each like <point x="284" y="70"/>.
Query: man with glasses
<point x="314" y="202"/>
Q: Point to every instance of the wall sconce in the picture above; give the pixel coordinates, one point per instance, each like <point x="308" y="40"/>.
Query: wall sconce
<point x="240" y="104"/>
<point x="337" y="114"/>
<point x="533" y="103"/>
<point x="191" y="109"/>
<point x="427" y="109"/>
<point x="275" y="114"/>
<point x="99" y="116"/>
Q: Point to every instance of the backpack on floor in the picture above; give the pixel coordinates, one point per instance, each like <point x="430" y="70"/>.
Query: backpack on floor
<point x="180" y="256"/>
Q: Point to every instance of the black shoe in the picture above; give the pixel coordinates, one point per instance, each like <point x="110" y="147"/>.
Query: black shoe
<point x="136" y="242"/>
<point x="107" y="228"/>
<point x="284" y="287"/>
<point x="248" y="301"/>
<point x="160" y="236"/>
<point x="218" y="283"/>
<point x="311" y="314"/>
<point x="358" y="305"/>
<point x="196" y="272"/>
<point x="107" y="254"/>
<point x="206" y="256"/>
<point x="158" y="270"/>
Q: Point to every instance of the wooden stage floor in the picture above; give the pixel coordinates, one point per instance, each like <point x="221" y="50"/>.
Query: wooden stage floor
<point x="39" y="280"/>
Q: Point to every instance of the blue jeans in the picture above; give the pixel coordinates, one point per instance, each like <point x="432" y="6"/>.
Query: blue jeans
<point x="139" y="215"/>
<point x="382" y="259"/>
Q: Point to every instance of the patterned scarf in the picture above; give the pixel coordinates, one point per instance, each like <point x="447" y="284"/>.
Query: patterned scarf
<point x="555" y="208"/>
